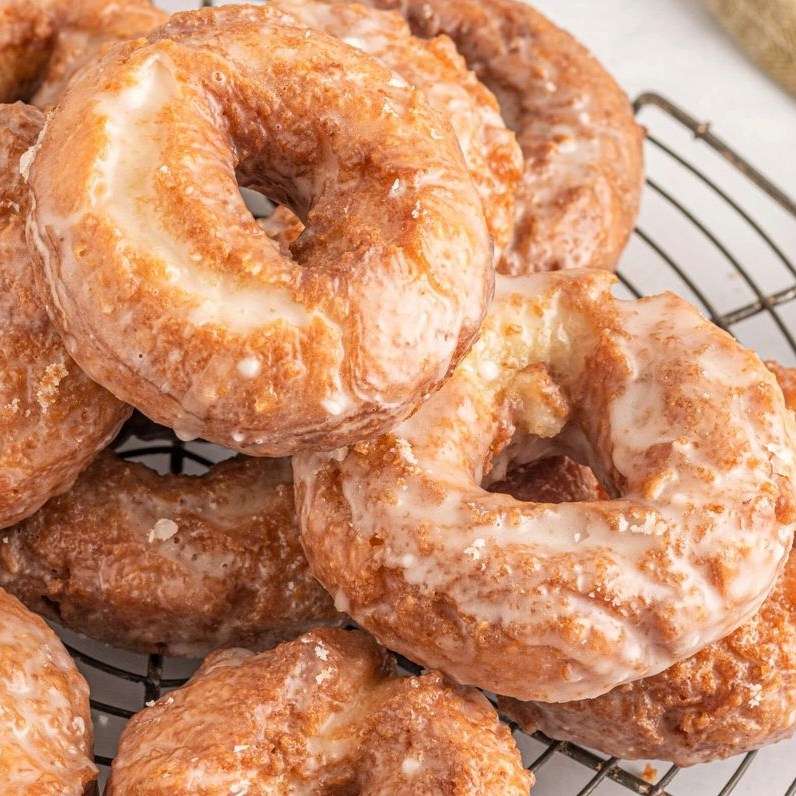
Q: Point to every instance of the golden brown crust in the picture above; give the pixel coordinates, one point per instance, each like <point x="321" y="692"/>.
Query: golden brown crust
<point x="170" y="564"/>
<point x="687" y="430"/>
<point x="218" y="335"/>
<point x="786" y="378"/>
<point x="26" y="40"/>
<point x="323" y="714"/>
<point x="53" y="418"/>
<point x="580" y="193"/>
<point x="733" y="696"/>
<point x="84" y="28"/>
<point x="45" y="731"/>
<point x="44" y="42"/>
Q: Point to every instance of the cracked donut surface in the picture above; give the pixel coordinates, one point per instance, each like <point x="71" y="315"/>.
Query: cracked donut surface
<point x="45" y="721"/>
<point x="733" y="696"/>
<point x="176" y="565"/>
<point x="686" y="429"/>
<point x="53" y="418"/>
<point x="579" y="194"/>
<point x="167" y="291"/>
<point x="322" y="714"/>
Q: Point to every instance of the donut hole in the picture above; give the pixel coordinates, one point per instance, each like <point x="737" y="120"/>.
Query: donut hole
<point x="160" y="449"/>
<point x="559" y="465"/>
<point x="539" y="454"/>
<point x="54" y="606"/>
<point x="278" y="221"/>
<point x="258" y="204"/>
<point x="553" y="479"/>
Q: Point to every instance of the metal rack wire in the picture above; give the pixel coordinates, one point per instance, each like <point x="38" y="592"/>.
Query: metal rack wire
<point x="729" y="291"/>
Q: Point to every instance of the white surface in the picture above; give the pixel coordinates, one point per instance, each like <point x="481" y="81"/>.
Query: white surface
<point x="675" y="47"/>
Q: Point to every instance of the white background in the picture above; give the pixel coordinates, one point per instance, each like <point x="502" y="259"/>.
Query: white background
<point x="675" y="47"/>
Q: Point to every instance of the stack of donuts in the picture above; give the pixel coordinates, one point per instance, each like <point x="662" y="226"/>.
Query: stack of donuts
<point x="443" y="427"/>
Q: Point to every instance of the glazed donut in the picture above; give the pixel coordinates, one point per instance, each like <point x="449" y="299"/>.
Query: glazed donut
<point x="581" y="185"/>
<point x="490" y="150"/>
<point x="733" y="696"/>
<point x="322" y="714"/>
<point x="53" y="419"/>
<point x="163" y="284"/>
<point x="44" y="42"/>
<point x="177" y="565"/>
<point x="685" y="428"/>
<point x="45" y="728"/>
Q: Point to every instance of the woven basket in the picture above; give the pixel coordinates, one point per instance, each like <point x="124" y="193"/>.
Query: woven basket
<point x="766" y="29"/>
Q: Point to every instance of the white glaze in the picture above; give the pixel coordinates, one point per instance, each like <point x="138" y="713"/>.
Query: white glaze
<point x="699" y="509"/>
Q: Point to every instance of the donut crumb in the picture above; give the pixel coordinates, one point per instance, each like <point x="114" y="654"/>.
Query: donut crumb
<point x="410" y="766"/>
<point x="321" y="652"/>
<point x="757" y="695"/>
<point x="162" y="530"/>
<point x="649" y="774"/>
<point x="48" y="386"/>
<point x="323" y="676"/>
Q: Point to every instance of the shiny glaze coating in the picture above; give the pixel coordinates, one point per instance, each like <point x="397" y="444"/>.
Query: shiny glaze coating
<point x="733" y="696"/>
<point x="687" y="430"/>
<point x="320" y="715"/>
<point x="45" y="721"/>
<point x="190" y="313"/>
<point x="53" y="418"/>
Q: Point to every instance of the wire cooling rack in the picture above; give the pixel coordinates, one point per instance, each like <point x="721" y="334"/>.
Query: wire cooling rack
<point x="712" y="229"/>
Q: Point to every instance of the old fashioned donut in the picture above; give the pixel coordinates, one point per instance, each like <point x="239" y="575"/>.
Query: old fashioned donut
<point x="44" y="42"/>
<point x="490" y="150"/>
<point x="171" y="295"/>
<point x="581" y="185"/>
<point x="45" y="721"/>
<point x="733" y="696"/>
<point x="170" y="564"/>
<point x="685" y="428"/>
<point x="322" y="714"/>
<point x="53" y="418"/>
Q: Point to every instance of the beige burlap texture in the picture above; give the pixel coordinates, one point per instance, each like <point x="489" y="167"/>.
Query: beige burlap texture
<point x="766" y="29"/>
